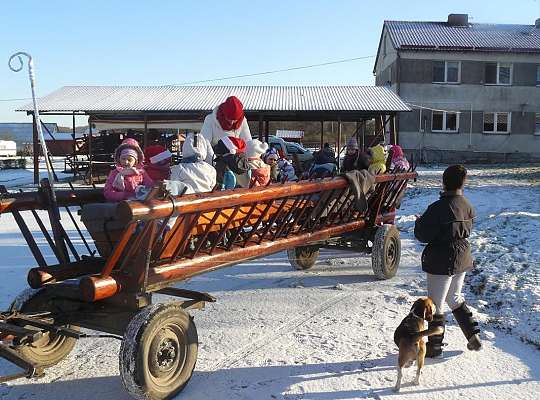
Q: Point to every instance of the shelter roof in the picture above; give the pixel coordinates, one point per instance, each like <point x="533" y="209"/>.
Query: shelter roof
<point x="178" y="99"/>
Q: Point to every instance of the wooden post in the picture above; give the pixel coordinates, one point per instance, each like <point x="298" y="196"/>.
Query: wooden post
<point x="393" y="135"/>
<point x="266" y="130"/>
<point x="261" y="126"/>
<point x="145" y="135"/>
<point x="90" y="151"/>
<point x="322" y="134"/>
<point x="338" y="143"/>
<point x="35" y="149"/>
<point x="74" y="155"/>
<point x="363" y="135"/>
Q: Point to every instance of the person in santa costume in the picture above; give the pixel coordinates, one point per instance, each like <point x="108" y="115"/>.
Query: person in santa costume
<point x="227" y="119"/>
<point x="231" y="163"/>
<point x="124" y="180"/>
<point x="157" y="162"/>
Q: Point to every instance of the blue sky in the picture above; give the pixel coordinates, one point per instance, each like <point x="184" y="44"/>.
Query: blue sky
<point x="171" y="42"/>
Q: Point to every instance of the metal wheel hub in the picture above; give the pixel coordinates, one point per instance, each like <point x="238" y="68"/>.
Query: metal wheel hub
<point x="391" y="253"/>
<point x="167" y="354"/>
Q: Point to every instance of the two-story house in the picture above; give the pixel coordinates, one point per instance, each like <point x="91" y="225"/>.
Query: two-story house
<point x="474" y="88"/>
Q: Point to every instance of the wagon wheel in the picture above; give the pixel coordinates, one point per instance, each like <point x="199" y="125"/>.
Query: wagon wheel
<point x="50" y="349"/>
<point x="303" y="257"/>
<point x="159" y="352"/>
<point x="386" y="252"/>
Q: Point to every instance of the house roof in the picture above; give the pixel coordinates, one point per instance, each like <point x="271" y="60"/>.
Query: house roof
<point x="111" y="99"/>
<point x="440" y="36"/>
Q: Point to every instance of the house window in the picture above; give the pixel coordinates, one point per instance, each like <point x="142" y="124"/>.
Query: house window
<point x="498" y="73"/>
<point x="446" y="71"/>
<point x="496" y="122"/>
<point x="442" y="121"/>
<point x="537" y="124"/>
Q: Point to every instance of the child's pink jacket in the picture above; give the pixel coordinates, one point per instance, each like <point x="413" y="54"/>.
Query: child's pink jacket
<point x="130" y="182"/>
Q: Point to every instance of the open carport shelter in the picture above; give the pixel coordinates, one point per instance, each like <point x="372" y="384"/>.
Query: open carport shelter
<point x="184" y="107"/>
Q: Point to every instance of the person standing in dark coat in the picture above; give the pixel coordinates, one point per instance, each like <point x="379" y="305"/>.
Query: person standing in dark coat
<point x="445" y="227"/>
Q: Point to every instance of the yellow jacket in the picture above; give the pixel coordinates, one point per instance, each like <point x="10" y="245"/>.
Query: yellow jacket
<point x="378" y="160"/>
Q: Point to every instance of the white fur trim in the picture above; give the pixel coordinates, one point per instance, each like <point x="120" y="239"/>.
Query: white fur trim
<point x="160" y="157"/>
<point x="255" y="148"/>
<point x="229" y="144"/>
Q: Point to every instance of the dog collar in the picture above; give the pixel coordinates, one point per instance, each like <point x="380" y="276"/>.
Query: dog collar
<point x="415" y="316"/>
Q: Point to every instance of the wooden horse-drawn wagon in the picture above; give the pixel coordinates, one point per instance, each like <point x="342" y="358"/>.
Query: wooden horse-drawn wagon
<point x="145" y="247"/>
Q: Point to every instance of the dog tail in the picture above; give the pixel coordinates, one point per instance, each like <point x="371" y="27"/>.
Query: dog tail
<point x="436" y="330"/>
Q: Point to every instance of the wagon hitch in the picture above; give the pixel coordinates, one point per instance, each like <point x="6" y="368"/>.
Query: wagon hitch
<point x="30" y="370"/>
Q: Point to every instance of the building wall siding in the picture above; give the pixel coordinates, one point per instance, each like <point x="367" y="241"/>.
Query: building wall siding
<point x="416" y="71"/>
<point x="524" y="74"/>
<point x="522" y="123"/>
<point x="472" y="72"/>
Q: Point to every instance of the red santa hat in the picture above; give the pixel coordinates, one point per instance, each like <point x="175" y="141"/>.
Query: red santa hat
<point x="228" y="111"/>
<point x="156" y="153"/>
<point x="234" y="144"/>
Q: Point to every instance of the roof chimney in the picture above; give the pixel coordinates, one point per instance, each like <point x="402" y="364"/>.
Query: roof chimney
<point x="537" y="23"/>
<point x="458" y="19"/>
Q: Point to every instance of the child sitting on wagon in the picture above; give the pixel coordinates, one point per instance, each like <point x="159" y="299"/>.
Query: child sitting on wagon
<point x="399" y="161"/>
<point x="281" y="169"/>
<point x="129" y="173"/>
<point x="231" y="163"/>
<point x="378" y="160"/>
<point x="259" y="170"/>
<point x="157" y="162"/>
<point x="193" y="174"/>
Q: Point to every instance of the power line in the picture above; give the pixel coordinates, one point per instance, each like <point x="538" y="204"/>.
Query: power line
<point x="431" y="109"/>
<point x="23" y="98"/>
<point x="274" y="71"/>
<point x="252" y="74"/>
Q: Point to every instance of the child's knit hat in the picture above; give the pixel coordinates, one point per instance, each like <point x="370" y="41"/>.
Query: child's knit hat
<point x="129" y="146"/>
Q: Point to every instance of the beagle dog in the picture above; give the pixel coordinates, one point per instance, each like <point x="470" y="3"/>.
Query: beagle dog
<point x="409" y="337"/>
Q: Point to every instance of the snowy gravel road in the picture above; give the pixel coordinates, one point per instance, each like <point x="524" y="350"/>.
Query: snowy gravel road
<point x="327" y="333"/>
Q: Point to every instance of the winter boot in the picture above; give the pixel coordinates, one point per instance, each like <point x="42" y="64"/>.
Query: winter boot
<point x="435" y="342"/>
<point x="468" y="326"/>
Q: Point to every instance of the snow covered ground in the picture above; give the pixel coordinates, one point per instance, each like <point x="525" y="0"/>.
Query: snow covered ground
<point x="326" y="334"/>
<point x="18" y="178"/>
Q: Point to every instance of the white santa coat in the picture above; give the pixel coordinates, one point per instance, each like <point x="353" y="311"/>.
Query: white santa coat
<point x="213" y="131"/>
<point x="196" y="177"/>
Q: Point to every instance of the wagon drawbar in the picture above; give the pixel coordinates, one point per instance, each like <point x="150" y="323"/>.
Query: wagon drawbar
<point x="145" y="247"/>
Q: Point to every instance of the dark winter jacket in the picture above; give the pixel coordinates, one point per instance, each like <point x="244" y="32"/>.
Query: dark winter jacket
<point x="324" y="156"/>
<point x="445" y="227"/>
<point x="359" y="160"/>
<point x="237" y="163"/>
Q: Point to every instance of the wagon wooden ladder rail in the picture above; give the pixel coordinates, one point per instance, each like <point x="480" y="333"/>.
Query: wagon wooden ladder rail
<point x="167" y="239"/>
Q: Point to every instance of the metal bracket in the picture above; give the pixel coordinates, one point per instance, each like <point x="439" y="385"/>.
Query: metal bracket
<point x="187" y="294"/>
<point x="30" y="370"/>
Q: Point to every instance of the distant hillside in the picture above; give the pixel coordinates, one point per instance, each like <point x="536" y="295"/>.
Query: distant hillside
<point x="69" y="129"/>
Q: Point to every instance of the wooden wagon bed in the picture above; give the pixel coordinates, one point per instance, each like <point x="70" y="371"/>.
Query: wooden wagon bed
<point x="147" y="246"/>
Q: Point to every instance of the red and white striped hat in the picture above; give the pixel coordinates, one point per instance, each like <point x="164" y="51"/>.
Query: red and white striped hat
<point x="156" y="153"/>
<point x="234" y="144"/>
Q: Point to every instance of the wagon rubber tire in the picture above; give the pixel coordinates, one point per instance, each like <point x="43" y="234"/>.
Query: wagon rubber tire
<point x="159" y="352"/>
<point x="303" y="257"/>
<point x="386" y="252"/>
<point x="50" y="349"/>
